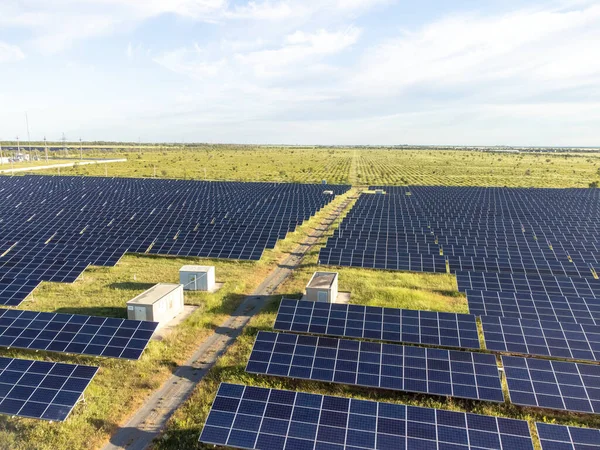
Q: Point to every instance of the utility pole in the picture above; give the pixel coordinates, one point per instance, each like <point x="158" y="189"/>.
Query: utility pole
<point x="28" y="136"/>
<point x="46" y="148"/>
<point x="80" y="150"/>
<point x="18" y="146"/>
<point x="1" y="160"/>
<point x="64" y="146"/>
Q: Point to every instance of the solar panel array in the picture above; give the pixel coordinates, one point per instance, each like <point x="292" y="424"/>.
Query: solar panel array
<point x="52" y="228"/>
<point x="70" y="333"/>
<point x="543" y="338"/>
<point x="259" y="418"/>
<point x="528" y="305"/>
<point x="376" y="365"/>
<point x="562" y="437"/>
<point x="561" y="385"/>
<point x="434" y="229"/>
<point x="528" y="260"/>
<point x="371" y="322"/>
<point x="41" y="390"/>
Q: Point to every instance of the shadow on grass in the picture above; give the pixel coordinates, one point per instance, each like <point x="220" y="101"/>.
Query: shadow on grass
<point x="131" y="286"/>
<point x="102" y="311"/>
<point x="181" y="438"/>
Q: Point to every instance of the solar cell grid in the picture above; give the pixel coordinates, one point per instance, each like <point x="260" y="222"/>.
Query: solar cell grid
<point x="562" y="437"/>
<point x="269" y="419"/>
<point x="544" y="284"/>
<point x="41" y="390"/>
<point x="535" y="306"/>
<point x="533" y="337"/>
<point x="70" y="333"/>
<point x="13" y="292"/>
<point x="376" y="365"/>
<point x="557" y="385"/>
<point x="369" y="322"/>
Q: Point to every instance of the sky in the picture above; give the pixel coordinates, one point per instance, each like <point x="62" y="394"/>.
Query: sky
<point x="340" y="72"/>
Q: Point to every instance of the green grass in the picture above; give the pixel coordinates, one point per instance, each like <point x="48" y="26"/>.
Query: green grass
<point x="355" y="166"/>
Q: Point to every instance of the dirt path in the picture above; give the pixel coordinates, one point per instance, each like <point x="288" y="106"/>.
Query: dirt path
<point x="148" y="421"/>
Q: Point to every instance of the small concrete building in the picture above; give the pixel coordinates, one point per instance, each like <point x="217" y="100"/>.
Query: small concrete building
<point x="197" y="278"/>
<point x="322" y="287"/>
<point x="159" y="304"/>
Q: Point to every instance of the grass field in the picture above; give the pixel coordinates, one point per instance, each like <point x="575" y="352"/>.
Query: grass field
<point x="359" y="167"/>
<point x="121" y="386"/>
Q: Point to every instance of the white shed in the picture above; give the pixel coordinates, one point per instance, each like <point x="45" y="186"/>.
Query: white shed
<point x="160" y="303"/>
<point x="322" y="287"/>
<point x="197" y="278"/>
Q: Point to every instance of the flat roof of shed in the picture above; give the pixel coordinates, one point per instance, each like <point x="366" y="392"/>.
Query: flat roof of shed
<point x="154" y="294"/>
<point x="322" y="280"/>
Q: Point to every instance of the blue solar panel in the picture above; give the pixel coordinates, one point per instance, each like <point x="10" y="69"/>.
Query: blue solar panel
<point x="40" y="389"/>
<point x="372" y="322"/>
<point x="528" y="305"/>
<point x="250" y="417"/>
<point x="70" y="333"/>
<point x="532" y="337"/>
<point x="13" y="292"/>
<point x="377" y="365"/>
<point x="558" y="385"/>
<point x="562" y="437"/>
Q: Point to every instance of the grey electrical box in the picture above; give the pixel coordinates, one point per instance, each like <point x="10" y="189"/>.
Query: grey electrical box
<point x="322" y="287"/>
<point x="197" y="278"/>
<point x="160" y="303"/>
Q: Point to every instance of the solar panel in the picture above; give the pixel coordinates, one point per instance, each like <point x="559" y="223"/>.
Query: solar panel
<point x="40" y="389"/>
<point x="558" y="385"/>
<point x="518" y="282"/>
<point x="562" y="437"/>
<point x="13" y="292"/>
<point x="532" y="337"/>
<point x="377" y="365"/>
<point x="372" y="322"/>
<point x="70" y="333"/>
<point x="528" y="305"/>
<point x="250" y="417"/>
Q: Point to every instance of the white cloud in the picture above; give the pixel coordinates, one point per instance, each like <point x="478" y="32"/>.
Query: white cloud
<point x="298" y="48"/>
<point x="10" y="53"/>
<point x="190" y="61"/>
<point x="526" y="44"/>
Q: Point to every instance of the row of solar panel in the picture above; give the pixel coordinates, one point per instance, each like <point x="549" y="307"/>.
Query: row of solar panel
<point x="71" y="333"/>
<point x="452" y="264"/>
<point x="271" y="419"/>
<point x="260" y="418"/>
<point x="531" y="382"/>
<point x="501" y="334"/>
<point x="499" y="250"/>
